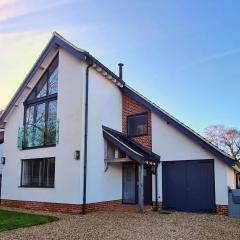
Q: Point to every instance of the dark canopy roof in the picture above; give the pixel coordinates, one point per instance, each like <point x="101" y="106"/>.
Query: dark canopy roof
<point x="130" y="147"/>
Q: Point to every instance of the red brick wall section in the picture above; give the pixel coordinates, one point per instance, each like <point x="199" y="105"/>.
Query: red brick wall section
<point x="108" y="205"/>
<point x="60" y="207"/>
<point x="131" y="107"/>
<point x="222" y="210"/>
<point x="42" y="206"/>
<point x="159" y="205"/>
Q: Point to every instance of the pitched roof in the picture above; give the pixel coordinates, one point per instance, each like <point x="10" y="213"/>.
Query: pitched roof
<point x="130" y="147"/>
<point x="58" y="40"/>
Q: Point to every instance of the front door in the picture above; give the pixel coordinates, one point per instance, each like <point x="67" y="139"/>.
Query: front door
<point x="129" y="183"/>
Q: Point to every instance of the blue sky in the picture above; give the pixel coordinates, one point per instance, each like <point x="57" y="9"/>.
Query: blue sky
<point x="183" y="55"/>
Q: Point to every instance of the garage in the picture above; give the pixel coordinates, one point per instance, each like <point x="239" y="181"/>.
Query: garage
<point x="188" y="185"/>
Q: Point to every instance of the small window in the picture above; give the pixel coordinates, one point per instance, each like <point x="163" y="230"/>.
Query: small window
<point x="137" y="125"/>
<point x="238" y="180"/>
<point x="38" y="172"/>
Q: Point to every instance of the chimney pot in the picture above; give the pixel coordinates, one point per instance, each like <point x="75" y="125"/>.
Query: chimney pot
<point x="120" y="70"/>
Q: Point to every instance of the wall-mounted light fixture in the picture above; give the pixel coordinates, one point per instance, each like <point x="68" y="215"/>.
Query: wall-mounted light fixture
<point x="77" y="155"/>
<point x="3" y="160"/>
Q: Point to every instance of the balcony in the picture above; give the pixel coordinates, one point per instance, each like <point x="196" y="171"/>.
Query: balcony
<point x="43" y="134"/>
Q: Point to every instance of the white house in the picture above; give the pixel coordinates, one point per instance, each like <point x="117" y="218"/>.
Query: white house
<point x="78" y="138"/>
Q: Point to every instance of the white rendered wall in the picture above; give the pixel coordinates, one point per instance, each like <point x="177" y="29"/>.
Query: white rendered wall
<point x="1" y="155"/>
<point x="105" y="108"/>
<point x="172" y="145"/>
<point x="67" y="170"/>
<point x="231" y="176"/>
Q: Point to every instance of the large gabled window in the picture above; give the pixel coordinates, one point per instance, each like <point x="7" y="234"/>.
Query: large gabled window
<point x="40" y="115"/>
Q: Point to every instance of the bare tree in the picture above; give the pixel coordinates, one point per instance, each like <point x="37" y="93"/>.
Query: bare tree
<point x="227" y="139"/>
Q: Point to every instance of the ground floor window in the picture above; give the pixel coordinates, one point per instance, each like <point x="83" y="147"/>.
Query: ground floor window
<point x="38" y="172"/>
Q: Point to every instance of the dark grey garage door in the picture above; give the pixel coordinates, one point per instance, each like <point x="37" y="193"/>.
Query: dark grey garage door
<point x="189" y="186"/>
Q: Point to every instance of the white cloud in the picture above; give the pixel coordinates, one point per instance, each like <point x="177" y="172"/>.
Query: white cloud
<point x="14" y="8"/>
<point x="20" y="51"/>
<point x="211" y="58"/>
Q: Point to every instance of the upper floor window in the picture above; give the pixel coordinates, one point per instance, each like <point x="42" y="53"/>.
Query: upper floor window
<point x="137" y="125"/>
<point x="40" y="118"/>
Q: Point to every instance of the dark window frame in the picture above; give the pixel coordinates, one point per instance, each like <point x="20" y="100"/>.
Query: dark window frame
<point x="137" y="115"/>
<point x="46" y="72"/>
<point x="238" y="180"/>
<point x="34" y="186"/>
<point x="36" y="101"/>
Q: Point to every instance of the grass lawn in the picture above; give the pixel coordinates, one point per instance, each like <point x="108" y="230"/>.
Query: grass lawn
<point x="10" y="220"/>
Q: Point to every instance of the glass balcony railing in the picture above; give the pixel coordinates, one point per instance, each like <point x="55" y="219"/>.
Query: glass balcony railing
<point x="38" y="135"/>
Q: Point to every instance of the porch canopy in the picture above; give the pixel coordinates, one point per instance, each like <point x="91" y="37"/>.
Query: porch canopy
<point x="134" y="152"/>
<point x="132" y="149"/>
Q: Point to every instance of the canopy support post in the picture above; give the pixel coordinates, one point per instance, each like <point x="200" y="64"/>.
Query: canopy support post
<point x="141" y="187"/>
<point x="156" y="187"/>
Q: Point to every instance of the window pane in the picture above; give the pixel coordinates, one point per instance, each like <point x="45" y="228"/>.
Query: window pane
<point x="26" y="173"/>
<point x="42" y="87"/>
<point x="51" y="124"/>
<point x="39" y="125"/>
<point x="29" y="127"/>
<point x="38" y="172"/>
<point x="40" y="113"/>
<point x="52" y="111"/>
<point x="30" y="115"/>
<point x="53" y="66"/>
<point x="49" y="172"/>
<point x="137" y="125"/>
<point x="53" y="82"/>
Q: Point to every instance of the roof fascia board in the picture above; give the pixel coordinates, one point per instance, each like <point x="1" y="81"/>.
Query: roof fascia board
<point x="178" y="126"/>
<point x="104" y="68"/>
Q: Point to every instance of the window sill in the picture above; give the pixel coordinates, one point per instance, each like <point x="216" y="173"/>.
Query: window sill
<point x="36" y="187"/>
<point x="141" y="135"/>
<point x="45" y="146"/>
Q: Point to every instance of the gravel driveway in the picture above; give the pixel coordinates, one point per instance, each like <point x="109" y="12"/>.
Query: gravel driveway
<point x="115" y="225"/>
